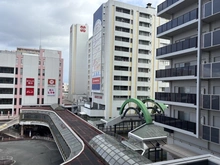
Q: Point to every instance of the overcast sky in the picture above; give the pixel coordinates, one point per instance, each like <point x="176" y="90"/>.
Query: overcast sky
<point x="24" y="23"/>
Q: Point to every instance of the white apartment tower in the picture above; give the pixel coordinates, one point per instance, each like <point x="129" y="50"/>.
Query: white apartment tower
<point x="193" y="117"/>
<point x="122" y="57"/>
<point x="78" y="62"/>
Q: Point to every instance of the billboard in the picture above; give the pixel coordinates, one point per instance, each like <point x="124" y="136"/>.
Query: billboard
<point x="29" y="81"/>
<point x="97" y="49"/>
<point x="29" y="92"/>
<point x="51" y="82"/>
<point x="51" y="91"/>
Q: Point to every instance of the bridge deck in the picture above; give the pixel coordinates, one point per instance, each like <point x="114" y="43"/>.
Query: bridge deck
<point x="86" y="132"/>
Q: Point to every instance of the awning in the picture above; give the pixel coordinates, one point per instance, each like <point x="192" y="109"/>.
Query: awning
<point x="178" y="151"/>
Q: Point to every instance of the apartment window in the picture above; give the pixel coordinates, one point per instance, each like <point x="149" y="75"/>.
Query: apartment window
<point x="118" y="108"/>
<point x="6" y="70"/>
<point x="120" y="19"/>
<point x="6" y="101"/>
<point x="144" y="61"/>
<point x="58" y="100"/>
<point x="144" y="70"/>
<point x="122" y="49"/>
<point x="38" y="81"/>
<point x="121" y="88"/>
<point x="42" y="82"/>
<point x="142" y="97"/>
<point x="43" y="91"/>
<point x="120" y="97"/>
<point x="15" y="101"/>
<point x="16" y="81"/>
<point x="6" y="80"/>
<point x="122" y="29"/>
<point x="38" y="72"/>
<point x="15" y="91"/>
<point x="6" y="90"/>
<point x="38" y="101"/>
<point x="122" y="10"/>
<point x="42" y="101"/>
<point x="123" y="39"/>
<point x="21" y="71"/>
<point x="20" y="91"/>
<point x="121" y="78"/>
<point x="143" y="33"/>
<point x="16" y="60"/>
<point x="20" y="101"/>
<point x="16" y="70"/>
<point x="144" y="24"/>
<point x="142" y="88"/>
<point x="143" y="51"/>
<point x="39" y="62"/>
<point x="121" y="68"/>
<point x="38" y="91"/>
<point x="120" y="58"/>
<point x="143" y="79"/>
<point x="21" y="81"/>
<point x="43" y="72"/>
<point x="143" y="42"/>
<point x="21" y="61"/>
<point x="144" y="15"/>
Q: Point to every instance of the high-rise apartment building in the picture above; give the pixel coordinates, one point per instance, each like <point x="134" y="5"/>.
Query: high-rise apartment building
<point x="29" y="77"/>
<point x="122" y="56"/>
<point x="193" y="117"/>
<point x="78" y="79"/>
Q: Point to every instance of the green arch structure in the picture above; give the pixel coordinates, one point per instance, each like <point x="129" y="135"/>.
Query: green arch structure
<point x="140" y="104"/>
<point x="161" y="106"/>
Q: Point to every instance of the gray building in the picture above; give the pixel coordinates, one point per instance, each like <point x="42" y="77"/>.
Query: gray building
<point x="193" y="117"/>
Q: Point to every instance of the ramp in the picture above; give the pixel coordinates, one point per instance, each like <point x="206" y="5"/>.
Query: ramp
<point x="9" y="124"/>
<point x="119" y="119"/>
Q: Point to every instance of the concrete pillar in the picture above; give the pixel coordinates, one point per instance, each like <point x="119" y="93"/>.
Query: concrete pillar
<point x="22" y="130"/>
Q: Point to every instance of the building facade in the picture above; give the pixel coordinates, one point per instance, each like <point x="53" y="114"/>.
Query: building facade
<point x="29" y="77"/>
<point x="78" y="79"/>
<point x="122" y="58"/>
<point x="193" y="118"/>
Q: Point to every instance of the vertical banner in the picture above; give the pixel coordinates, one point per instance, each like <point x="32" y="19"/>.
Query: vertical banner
<point x="97" y="49"/>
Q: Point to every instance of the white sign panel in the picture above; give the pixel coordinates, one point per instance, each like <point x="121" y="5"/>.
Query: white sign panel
<point x="51" y="91"/>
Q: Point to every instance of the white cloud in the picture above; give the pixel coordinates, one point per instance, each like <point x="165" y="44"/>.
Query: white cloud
<point x="26" y="23"/>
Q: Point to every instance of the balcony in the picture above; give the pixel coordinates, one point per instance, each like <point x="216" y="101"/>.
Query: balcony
<point x="182" y="48"/>
<point x="211" y="11"/>
<point x="211" y="70"/>
<point x="178" y="25"/>
<point x="210" y="133"/>
<point x="169" y="7"/>
<point x="176" y="123"/>
<point x="176" y="98"/>
<point x="211" y="40"/>
<point x="210" y="102"/>
<point x="188" y="72"/>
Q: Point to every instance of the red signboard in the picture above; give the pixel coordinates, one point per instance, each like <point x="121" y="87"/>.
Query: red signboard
<point x="29" y="81"/>
<point x="96" y="80"/>
<point x="29" y="91"/>
<point x="83" y="28"/>
<point x="98" y="97"/>
<point x="51" y="82"/>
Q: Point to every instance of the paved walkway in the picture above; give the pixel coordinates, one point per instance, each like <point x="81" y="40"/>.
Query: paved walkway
<point x="34" y="152"/>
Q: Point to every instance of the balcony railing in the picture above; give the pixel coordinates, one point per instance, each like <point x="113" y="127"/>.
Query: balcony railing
<point x="176" y="97"/>
<point x="165" y="5"/>
<point x="182" y="45"/>
<point x="211" y="8"/>
<point x="211" y="70"/>
<point x="177" y="123"/>
<point x="178" y="21"/>
<point x="210" y="133"/>
<point x="211" y="39"/>
<point x="211" y="102"/>
<point x="174" y="72"/>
